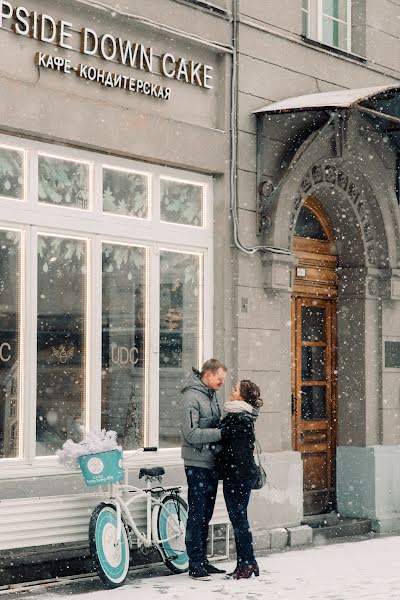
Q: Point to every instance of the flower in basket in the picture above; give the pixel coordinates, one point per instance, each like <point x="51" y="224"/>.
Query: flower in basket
<point x="94" y="442"/>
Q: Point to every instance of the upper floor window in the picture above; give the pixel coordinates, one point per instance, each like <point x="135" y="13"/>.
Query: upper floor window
<point x="328" y="22"/>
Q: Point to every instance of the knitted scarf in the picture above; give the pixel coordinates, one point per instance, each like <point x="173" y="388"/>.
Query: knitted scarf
<point x="237" y="406"/>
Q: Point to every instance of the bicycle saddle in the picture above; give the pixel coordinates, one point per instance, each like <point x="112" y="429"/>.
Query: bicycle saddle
<point x="151" y="472"/>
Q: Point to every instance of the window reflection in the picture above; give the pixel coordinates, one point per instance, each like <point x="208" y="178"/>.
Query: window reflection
<point x="308" y="226"/>
<point x="9" y="342"/>
<point x="11" y="173"/>
<point x="313" y="324"/>
<point x="125" y="192"/>
<point x="123" y="342"/>
<point x="63" y="182"/>
<point x="180" y="334"/>
<point x="181" y="202"/>
<point x="313" y="363"/>
<point x="313" y="402"/>
<point x="61" y="341"/>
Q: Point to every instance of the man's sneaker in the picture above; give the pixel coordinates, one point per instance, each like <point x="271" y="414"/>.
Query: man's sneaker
<point x="201" y="574"/>
<point x="212" y="570"/>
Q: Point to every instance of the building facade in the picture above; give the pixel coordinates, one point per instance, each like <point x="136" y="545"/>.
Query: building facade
<point x="159" y="208"/>
<point x="318" y="177"/>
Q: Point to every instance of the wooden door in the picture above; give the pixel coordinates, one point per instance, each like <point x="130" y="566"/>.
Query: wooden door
<point x="314" y="356"/>
<point x="313" y="399"/>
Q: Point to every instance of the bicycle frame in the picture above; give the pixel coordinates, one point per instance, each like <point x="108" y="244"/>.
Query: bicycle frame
<point x="122" y="507"/>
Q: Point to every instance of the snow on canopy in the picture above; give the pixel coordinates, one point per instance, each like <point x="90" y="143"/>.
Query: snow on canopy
<point x="335" y="99"/>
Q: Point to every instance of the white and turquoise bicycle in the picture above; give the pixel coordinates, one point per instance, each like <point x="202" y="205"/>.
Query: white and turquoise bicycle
<point x="113" y="532"/>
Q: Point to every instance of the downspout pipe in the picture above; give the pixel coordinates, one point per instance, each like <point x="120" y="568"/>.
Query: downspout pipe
<point x="233" y="160"/>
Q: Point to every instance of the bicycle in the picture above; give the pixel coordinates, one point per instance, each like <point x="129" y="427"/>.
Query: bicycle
<point x="113" y="532"/>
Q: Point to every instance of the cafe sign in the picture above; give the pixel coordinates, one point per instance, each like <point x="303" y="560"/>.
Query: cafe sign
<point x="107" y="47"/>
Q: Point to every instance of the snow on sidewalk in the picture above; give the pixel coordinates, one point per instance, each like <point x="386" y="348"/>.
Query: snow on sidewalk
<point x="349" y="571"/>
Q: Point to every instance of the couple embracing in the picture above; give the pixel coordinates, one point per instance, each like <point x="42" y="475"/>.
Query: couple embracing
<point x="218" y="443"/>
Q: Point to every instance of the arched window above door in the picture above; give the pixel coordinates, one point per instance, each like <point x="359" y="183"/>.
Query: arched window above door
<point x="313" y="223"/>
<point x="308" y="225"/>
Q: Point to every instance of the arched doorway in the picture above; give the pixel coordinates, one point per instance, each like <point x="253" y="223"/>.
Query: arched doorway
<point x="314" y="360"/>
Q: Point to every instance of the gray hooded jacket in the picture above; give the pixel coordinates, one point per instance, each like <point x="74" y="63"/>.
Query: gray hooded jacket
<point x="201" y="413"/>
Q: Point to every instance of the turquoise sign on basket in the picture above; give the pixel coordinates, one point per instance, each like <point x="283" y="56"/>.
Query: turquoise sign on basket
<point x="102" y="467"/>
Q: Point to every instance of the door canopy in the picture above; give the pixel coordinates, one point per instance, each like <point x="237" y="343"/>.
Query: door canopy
<point x="285" y="125"/>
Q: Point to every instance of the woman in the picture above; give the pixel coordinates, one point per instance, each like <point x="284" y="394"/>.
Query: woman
<point x="238" y="470"/>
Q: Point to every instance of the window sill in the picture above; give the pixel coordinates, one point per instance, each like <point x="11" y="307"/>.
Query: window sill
<point x="49" y="466"/>
<point x="334" y="50"/>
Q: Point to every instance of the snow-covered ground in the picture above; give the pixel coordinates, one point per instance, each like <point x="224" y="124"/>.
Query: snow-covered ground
<point x="349" y="571"/>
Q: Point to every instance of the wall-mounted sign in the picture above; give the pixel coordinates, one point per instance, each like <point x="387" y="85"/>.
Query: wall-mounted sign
<point x="112" y="49"/>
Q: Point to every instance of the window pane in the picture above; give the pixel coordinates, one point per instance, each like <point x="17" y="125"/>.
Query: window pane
<point x="313" y="363"/>
<point x="180" y="334"/>
<point x="61" y="342"/>
<point x="11" y="174"/>
<point x="63" y="182"/>
<point x="334" y="33"/>
<point x="9" y="342"/>
<point x="123" y="343"/>
<point x="307" y="225"/>
<point x="125" y="192"/>
<point x="313" y="402"/>
<point x="181" y="202"/>
<point x="335" y="8"/>
<point x="313" y="327"/>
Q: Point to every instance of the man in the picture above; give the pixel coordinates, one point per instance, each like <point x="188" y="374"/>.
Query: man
<point x="201" y="413"/>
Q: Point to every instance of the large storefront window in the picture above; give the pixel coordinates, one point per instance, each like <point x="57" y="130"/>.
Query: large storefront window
<point x="102" y="297"/>
<point x="124" y="342"/>
<point x="180" y="334"/>
<point x="62" y="269"/>
<point x="10" y="379"/>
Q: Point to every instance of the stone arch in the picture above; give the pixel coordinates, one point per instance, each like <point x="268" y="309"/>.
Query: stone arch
<point x="358" y="195"/>
<point x="350" y="210"/>
<point x="362" y="206"/>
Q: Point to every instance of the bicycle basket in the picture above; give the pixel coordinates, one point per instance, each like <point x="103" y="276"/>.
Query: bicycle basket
<point x="102" y="467"/>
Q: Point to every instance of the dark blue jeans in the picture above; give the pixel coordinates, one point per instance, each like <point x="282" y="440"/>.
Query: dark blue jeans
<point x="237" y="495"/>
<point x="202" y="491"/>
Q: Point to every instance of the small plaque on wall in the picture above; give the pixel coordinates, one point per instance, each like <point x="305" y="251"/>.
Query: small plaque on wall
<point x="392" y="355"/>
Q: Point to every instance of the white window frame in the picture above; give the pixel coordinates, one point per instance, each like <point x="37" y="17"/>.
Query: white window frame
<point x="32" y="217"/>
<point x="314" y="23"/>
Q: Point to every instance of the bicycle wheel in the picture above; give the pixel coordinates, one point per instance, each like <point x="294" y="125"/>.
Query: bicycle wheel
<point x="111" y="560"/>
<point x="171" y="527"/>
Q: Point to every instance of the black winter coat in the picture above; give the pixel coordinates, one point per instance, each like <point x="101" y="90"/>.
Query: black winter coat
<point x="235" y="460"/>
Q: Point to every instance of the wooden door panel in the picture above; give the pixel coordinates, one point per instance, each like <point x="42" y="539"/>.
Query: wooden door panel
<point x="315" y="471"/>
<point x="313" y="393"/>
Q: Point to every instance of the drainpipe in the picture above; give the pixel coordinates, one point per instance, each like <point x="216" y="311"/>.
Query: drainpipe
<point x="234" y="136"/>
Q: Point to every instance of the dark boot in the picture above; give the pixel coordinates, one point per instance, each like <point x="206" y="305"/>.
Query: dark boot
<point x="246" y="572"/>
<point x="231" y="575"/>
